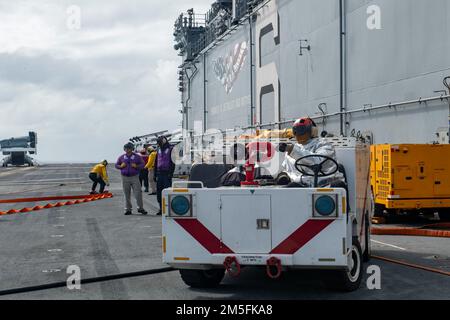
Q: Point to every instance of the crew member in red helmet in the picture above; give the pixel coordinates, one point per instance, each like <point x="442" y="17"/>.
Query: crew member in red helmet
<point x="309" y="143"/>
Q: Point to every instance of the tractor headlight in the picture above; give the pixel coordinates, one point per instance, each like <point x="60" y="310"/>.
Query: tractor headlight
<point x="325" y="206"/>
<point x="180" y="206"/>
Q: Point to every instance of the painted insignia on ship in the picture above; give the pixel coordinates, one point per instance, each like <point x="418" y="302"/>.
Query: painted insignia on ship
<point x="227" y="68"/>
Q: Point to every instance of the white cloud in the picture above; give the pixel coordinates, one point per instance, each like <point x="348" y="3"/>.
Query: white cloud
<point x="87" y="91"/>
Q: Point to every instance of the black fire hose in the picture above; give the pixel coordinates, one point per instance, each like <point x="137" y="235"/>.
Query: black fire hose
<point x="85" y="281"/>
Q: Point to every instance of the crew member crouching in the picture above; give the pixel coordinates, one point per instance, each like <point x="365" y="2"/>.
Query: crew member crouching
<point x="99" y="176"/>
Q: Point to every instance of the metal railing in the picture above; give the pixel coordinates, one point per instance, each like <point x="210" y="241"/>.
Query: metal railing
<point x="193" y="37"/>
<point x="366" y="109"/>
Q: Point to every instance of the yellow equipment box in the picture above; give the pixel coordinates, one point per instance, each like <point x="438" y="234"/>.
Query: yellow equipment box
<point x="411" y="177"/>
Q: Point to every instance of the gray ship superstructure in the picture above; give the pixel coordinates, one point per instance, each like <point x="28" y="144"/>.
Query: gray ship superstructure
<point x="373" y="68"/>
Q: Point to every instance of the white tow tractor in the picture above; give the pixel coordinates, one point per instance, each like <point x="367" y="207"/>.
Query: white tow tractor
<point x="209" y="231"/>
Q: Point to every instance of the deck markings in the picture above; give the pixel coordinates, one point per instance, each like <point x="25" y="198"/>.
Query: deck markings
<point x="51" y="271"/>
<point x="389" y="245"/>
<point x="12" y="171"/>
<point x="52" y="180"/>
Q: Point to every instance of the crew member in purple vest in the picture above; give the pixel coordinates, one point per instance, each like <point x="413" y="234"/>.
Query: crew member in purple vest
<point x="164" y="168"/>
<point x="130" y="165"/>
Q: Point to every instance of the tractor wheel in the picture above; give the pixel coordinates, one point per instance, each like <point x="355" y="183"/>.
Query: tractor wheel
<point x="349" y="280"/>
<point x="202" y="278"/>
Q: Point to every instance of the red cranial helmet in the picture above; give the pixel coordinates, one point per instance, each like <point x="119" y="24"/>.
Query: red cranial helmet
<point x="303" y="126"/>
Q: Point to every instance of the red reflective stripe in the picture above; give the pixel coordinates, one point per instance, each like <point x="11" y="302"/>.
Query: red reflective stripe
<point x="301" y="236"/>
<point x="200" y="233"/>
<point x="291" y="245"/>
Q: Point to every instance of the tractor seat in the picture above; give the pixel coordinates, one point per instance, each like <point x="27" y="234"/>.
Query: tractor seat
<point x="209" y="174"/>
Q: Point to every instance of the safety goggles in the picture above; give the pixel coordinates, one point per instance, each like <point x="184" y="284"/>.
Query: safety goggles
<point x="301" y="130"/>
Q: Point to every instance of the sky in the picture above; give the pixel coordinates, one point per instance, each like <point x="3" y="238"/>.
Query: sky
<point x="87" y="85"/>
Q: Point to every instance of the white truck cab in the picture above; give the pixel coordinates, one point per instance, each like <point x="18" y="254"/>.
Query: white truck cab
<point x="209" y="231"/>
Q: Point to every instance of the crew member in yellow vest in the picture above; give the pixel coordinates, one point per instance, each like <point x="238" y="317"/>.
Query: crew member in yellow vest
<point x="99" y="175"/>
<point x="151" y="169"/>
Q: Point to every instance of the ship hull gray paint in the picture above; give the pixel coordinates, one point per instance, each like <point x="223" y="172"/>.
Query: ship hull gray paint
<point x="405" y="60"/>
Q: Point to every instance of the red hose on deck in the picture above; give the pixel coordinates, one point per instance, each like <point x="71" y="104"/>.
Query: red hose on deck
<point x="78" y="200"/>
<point x="411" y="232"/>
<point x="56" y="198"/>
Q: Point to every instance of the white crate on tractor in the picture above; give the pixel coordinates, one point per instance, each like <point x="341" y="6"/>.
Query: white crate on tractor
<point x="207" y="232"/>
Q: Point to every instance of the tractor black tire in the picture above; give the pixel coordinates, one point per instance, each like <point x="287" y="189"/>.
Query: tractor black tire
<point x="202" y="278"/>
<point x="348" y="280"/>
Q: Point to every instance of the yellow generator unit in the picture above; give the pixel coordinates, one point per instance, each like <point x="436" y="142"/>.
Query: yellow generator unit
<point x="411" y="178"/>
